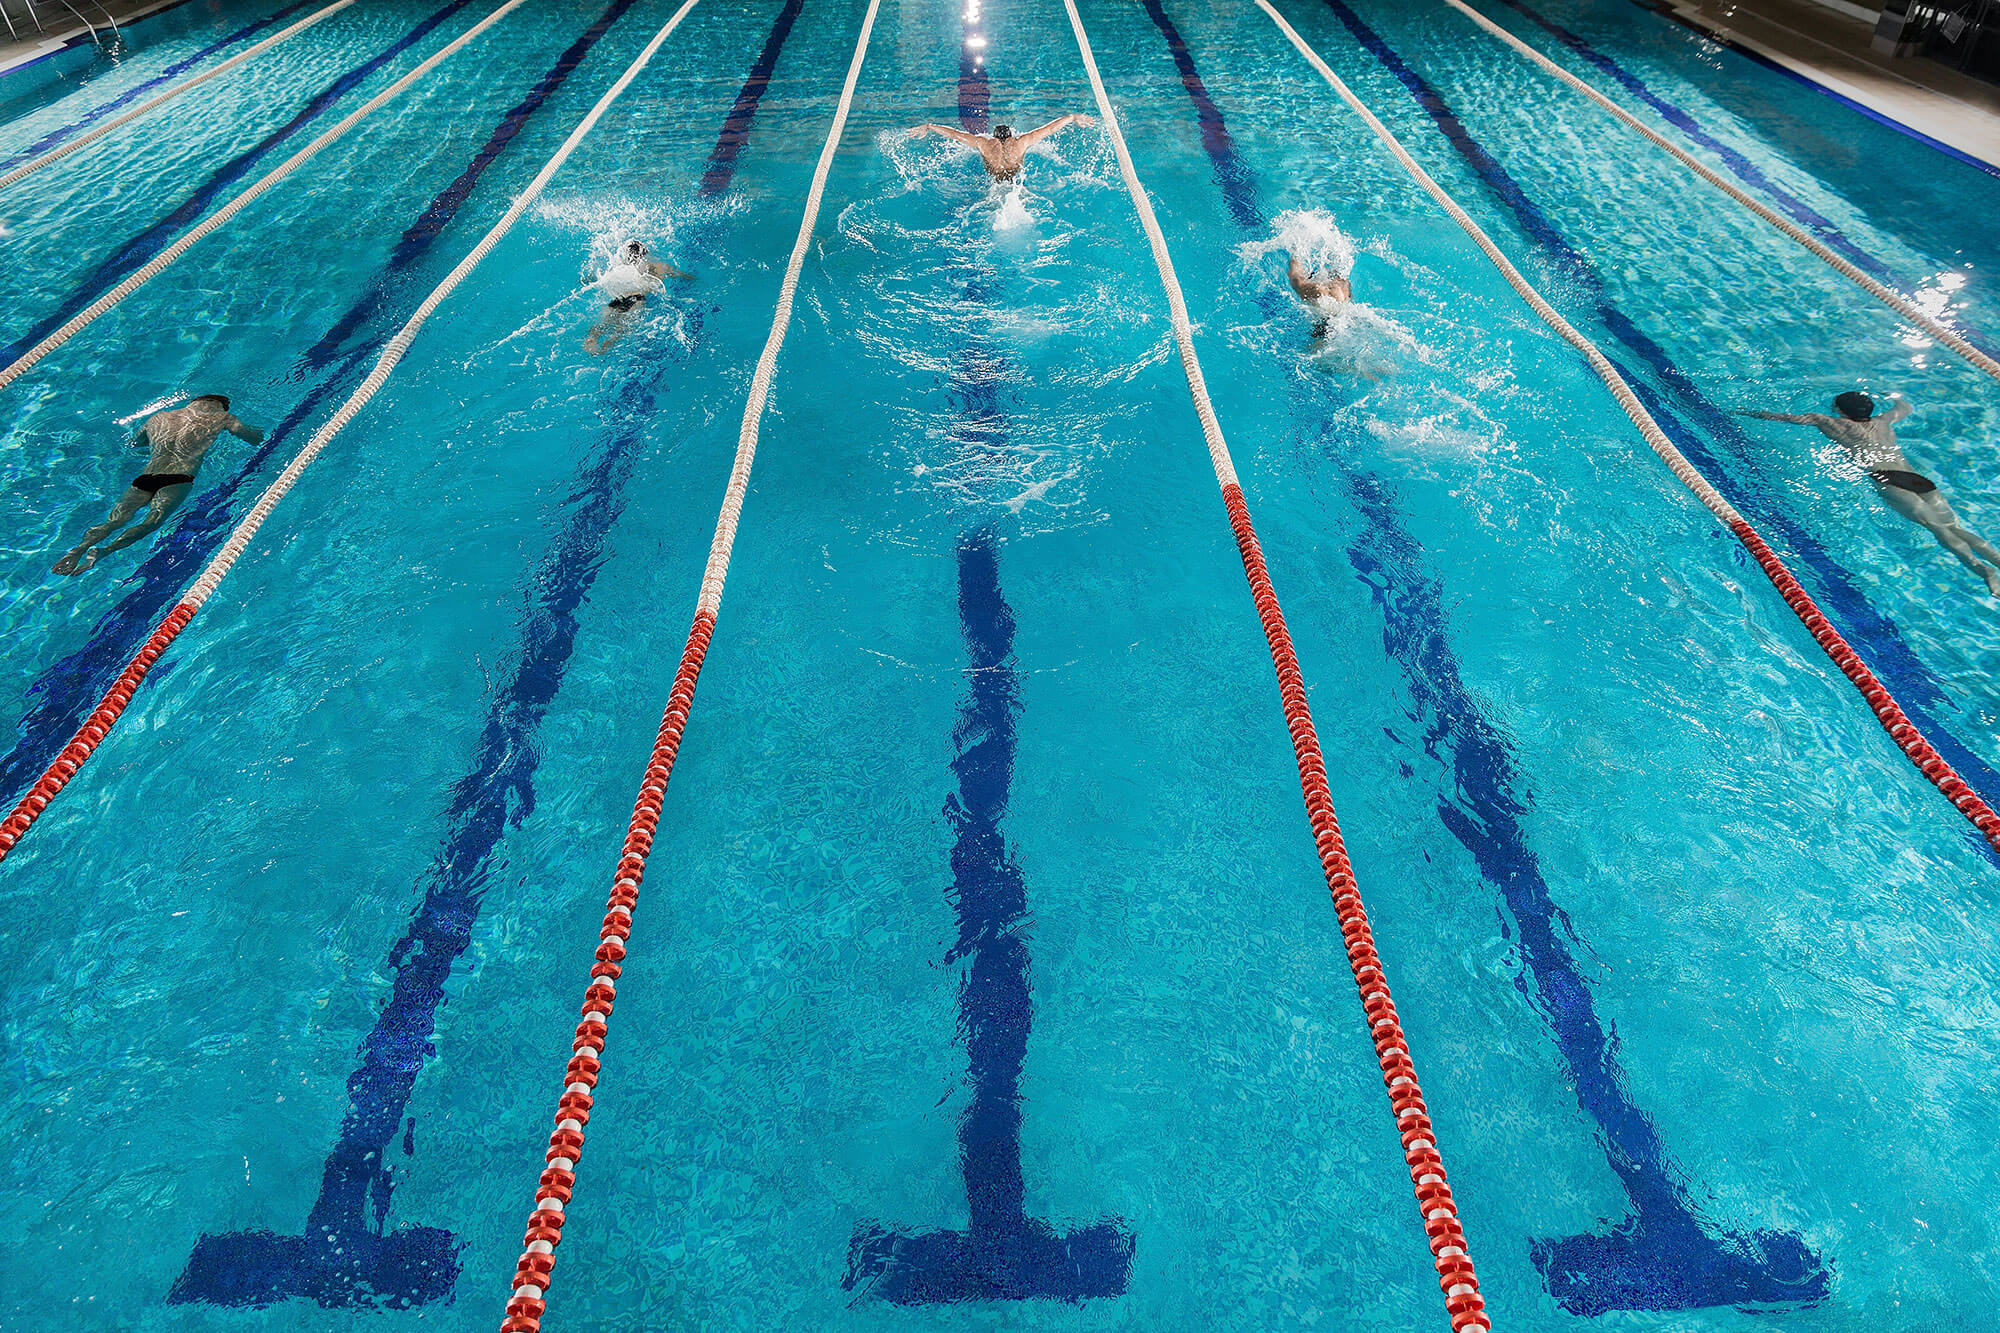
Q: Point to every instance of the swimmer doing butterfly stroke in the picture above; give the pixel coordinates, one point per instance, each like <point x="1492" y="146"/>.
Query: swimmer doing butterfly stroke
<point x="1004" y="151"/>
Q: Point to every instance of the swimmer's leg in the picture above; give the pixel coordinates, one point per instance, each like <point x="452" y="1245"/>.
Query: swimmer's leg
<point x="81" y="557"/>
<point x="1933" y="514"/>
<point x="165" y="501"/>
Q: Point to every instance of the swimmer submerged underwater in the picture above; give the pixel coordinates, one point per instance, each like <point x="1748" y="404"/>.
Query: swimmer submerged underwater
<point x="1871" y="441"/>
<point x="177" y="441"/>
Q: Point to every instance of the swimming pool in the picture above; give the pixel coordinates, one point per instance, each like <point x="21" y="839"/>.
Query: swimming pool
<point x="982" y="888"/>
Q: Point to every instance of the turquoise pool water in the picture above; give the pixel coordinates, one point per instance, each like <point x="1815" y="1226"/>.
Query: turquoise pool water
<point x="983" y="896"/>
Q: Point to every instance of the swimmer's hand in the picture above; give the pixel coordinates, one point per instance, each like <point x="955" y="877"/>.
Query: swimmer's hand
<point x="76" y="562"/>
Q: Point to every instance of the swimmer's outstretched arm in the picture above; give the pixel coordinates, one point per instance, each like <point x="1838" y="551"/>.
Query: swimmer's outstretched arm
<point x="247" y="434"/>
<point x="1795" y="418"/>
<point x="1043" y="132"/>
<point x="1899" y="411"/>
<point x="950" y="133"/>
<point x="659" y="270"/>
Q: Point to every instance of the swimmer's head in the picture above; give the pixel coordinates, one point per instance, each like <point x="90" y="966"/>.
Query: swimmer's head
<point x="1003" y="131"/>
<point x="221" y="402"/>
<point x="633" y="252"/>
<point x="1855" y="406"/>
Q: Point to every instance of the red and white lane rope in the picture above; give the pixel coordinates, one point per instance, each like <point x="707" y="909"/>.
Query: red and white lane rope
<point x="1895" y="300"/>
<point x="221" y="216"/>
<point x="54" y="155"/>
<point x="115" y="700"/>
<point x="1450" y="1257"/>
<point x="1894" y="721"/>
<point x="553" y="1190"/>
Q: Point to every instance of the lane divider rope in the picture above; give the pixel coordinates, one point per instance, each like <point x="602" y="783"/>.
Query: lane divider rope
<point x="1449" y="1253"/>
<point x="34" y="165"/>
<point x="557" y="1183"/>
<point x="113" y="705"/>
<point x="1895" y="300"/>
<point x="1901" y="730"/>
<point x="221" y="216"/>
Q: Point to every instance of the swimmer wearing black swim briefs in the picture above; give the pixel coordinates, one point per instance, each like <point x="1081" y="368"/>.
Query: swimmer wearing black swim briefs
<point x="633" y="275"/>
<point x="1913" y="482"/>
<point x="176" y="440"/>
<point x="1871" y="441"/>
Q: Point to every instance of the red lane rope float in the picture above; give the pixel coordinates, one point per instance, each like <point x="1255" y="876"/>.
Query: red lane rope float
<point x="1887" y="711"/>
<point x="557" y="1184"/>
<point x="114" y="702"/>
<point x="95" y="728"/>
<point x="1879" y="700"/>
<point x="1449" y="1255"/>
<point x="558" y="1179"/>
<point x="1392" y="1052"/>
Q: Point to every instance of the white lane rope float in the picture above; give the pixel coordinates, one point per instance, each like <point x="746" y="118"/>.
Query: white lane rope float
<point x="553" y="1190"/>
<point x="1901" y="730"/>
<point x="1895" y="300"/>
<point x="1450" y="1257"/>
<point x="115" y="700"/>
<point x="55" y="155"/>
<point x="221" y="216"/>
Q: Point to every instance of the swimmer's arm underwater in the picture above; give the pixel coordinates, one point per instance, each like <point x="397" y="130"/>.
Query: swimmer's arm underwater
<point x="1898" y="412"/>
<point x="1795" y="418"/>
<point x="659" y="270"/>
<point x="247" y="434"/>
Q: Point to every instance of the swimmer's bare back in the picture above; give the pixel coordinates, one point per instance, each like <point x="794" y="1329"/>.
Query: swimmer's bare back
<point x="1006" y="154"/>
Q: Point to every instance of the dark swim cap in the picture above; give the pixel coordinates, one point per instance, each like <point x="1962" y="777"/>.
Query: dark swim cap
<point x="1855" y="406"/>
<point x="214" y="398"/>
<point x="1003" y="131"/>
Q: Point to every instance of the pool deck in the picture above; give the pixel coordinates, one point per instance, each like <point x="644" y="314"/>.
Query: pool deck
<point x="64" y="30"/>
<point x="1830" y="45"/>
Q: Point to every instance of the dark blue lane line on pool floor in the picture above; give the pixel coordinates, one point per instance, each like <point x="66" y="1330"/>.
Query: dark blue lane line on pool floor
<point x="1872" y="634"/>
<point x="1666" y="1256"/>
<point x="346" y="1256"/>
<point x="63" y="696"/>
<point x="1003" y="1254"/>
<point x="140" y="250"/>
<point x="58" y="137"/>
<point x="1740" y="166"/>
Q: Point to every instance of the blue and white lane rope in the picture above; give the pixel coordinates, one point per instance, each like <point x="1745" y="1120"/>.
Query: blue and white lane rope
<point x="220" y="218"/>
<point x="33" y="165"/>
<point x="1895" y="300"/>
<point x="120" y="695"/>
<point x="1912" y="742"/>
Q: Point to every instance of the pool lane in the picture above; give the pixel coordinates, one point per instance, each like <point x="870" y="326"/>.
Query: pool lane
<point x="141" y="248"/>
<point x="342" y="1258"/>
<point x="1663" y="1257"/>
<point x="63" y="694"/>
<point x="58" y="137"/>
<point x="1004" y="1253"/>
<point x="1874" y="635"/>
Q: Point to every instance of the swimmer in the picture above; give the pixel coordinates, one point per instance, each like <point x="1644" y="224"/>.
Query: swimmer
<point x="633" y="276"/>
<point x="178" y="440"/>
<point x="1004" y="150"/>
<point x="1324" y="295"/>
<point x="1871" y="441"/>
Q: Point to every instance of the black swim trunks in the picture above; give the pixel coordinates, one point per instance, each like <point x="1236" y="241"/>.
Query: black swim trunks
<point x="1905" y="481"/>
<point x="627" y="302"/>
<point x="151" y="482"/>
